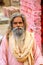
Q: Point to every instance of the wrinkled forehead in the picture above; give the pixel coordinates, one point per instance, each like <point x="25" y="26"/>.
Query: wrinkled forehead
<point x="18" y="19"/>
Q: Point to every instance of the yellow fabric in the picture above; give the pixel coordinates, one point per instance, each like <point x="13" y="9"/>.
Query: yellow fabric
<point x="26" y="56"/>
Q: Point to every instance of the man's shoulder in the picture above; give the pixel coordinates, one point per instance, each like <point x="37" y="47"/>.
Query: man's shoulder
<point x="4" y="39"/>
<point x="30" y="33"/>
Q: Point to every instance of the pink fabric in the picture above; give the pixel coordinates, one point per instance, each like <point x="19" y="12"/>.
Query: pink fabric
<point x="7" y="58"/>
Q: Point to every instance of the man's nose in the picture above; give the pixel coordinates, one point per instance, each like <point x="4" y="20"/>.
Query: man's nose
<point x="18" y="24"/>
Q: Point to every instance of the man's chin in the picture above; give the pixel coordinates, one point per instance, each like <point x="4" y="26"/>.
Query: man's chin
<point x="18" y="34"/>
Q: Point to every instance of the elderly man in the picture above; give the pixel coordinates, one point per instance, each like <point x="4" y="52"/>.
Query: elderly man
<point x="18" y="46"/>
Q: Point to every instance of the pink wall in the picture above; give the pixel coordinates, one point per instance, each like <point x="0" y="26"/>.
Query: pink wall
<point x="32" y="11"/>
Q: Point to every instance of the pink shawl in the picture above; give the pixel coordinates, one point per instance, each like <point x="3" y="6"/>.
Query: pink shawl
<point x="6" y="57"/>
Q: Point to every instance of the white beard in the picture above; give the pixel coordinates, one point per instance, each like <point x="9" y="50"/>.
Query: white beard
<point x="19" y="41"/>
<point x="18" y="31"/>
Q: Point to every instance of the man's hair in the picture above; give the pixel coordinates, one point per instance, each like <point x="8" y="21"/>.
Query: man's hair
<point x="14" y="15"/>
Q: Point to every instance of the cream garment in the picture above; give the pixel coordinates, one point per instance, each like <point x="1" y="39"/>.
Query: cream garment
<point x="26" y="55"/>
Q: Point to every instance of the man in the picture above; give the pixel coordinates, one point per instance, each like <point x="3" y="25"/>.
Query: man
<point x="18" y="46"/>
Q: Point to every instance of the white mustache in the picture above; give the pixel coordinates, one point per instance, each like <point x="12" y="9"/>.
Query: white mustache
<point x="17" y="28"/>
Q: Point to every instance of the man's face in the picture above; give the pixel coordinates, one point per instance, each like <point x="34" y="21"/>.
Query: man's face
<point x="17" y="22"/>
<point x="18" y="26"/>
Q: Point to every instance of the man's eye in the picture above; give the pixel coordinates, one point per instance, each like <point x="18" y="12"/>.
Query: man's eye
<point x="20" y="22"/>
<point x="15" y="23"/>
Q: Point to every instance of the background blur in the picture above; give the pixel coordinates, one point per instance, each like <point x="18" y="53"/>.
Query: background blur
<point x="30" y="8"/>
<point x="7" y="7"/>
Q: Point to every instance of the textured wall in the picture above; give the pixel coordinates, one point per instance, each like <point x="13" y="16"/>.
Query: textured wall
<point x="32" y="11"/>
<point x="7" y="2"/>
